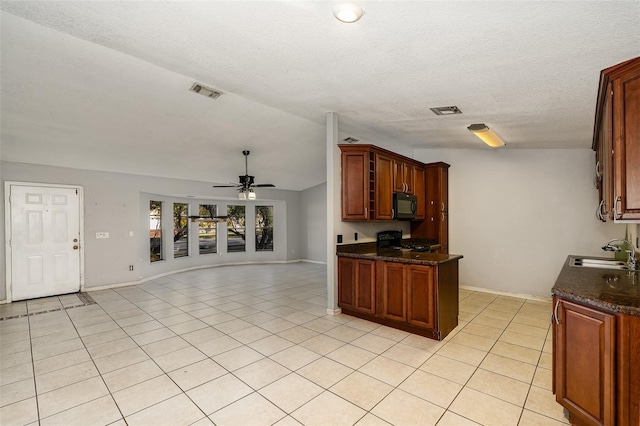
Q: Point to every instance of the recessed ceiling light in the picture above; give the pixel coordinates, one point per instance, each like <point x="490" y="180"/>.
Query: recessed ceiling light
<point x="447" y="110"/>
<point x="348" y="12"/>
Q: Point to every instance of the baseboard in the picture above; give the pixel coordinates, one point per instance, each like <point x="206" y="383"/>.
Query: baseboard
<point x="334" y="312"/>
<point x="506" y="293"/>
<point x="313" y="261"/>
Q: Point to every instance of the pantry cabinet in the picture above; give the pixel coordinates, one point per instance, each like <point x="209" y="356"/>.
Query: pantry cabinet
<point x="616" y="141"/>
<point x="436" y="223"/>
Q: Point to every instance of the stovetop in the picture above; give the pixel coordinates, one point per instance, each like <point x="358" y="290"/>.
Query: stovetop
<point x="393" y="240"/>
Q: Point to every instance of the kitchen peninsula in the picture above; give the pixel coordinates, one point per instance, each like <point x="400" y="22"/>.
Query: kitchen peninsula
<point x="409" y="290"/>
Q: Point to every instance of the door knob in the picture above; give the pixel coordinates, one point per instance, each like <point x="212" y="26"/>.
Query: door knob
<point x="75" y="247"/>
<point x="75" y="240"/>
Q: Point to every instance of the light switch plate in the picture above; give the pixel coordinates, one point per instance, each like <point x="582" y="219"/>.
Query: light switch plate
<point x="100" y="235"/>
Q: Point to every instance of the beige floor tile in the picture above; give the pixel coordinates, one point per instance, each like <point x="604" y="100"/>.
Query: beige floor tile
<point x="532" y="342"/>
<point x="19" y="413"/>
<point x="62" y="399"/>
<point x="180" y="358"/>
<point x="218" y="318"/>
<point x="202" y="422"/>
<point x="322" y="344"/>
<point x="144" y="327"/>
<point x="16" y="373"/>
<point x="489" y="321"/>
<point x="57" y="349"/>
<point x="387" y="370"/>
<point x="473" y="340"/>
<point x="218" y="393"/>
<point x="60" y="361"/>
<point x="509" y="367"/>
<point x="218" y="346"/>
<point x="371" y="420"/>
<point x="432" y="388"/>
<point x="297" y="334"/>
<point x="402" y="408"/>
<point x="238" y="358"/>
<point x="543" y="402"/>
<point x="17" y="391"/>
<point x="351" y="356"/>
<point x="462" y="353"/>
<point x="270" y="345"/>
<point x="120" y="360"/>
<point x="98" y="328"/>
<point x="325" y="372"/>
<point x="111" y="347"/>
<point x="485" y="409"/>
<point x="374" y="343"/>
<point x="295" y="357"/>
<point x="361" y="390"/>
<point x="135" y="319"/>
<point x="232" y="326"/>
<point x="102" y="410"/>
<point x="529" y="418"/>
<point x="261" y="373"/>
<point x="517" y="352"/>
<point x="190" y="376"/>
<point x="165" y="346"/>
<point x="321" y="325"/>
<point x="15" y="359"/>
<point x="253" y="409"/>
<point x="151" y="336"/>
<point x="250" y="334"/>
<point x="546" y="361"/>
<point x="328" y="409"/>
<point x="187" y="327"/>
<point x="447" y="368"/>
<point x="543" y="378"/>
<point x="499" y="386"/>
<point x="528" y="330"/>
<point x="483" y="330"/>
<point x="490" y="313"/>
<point x="176" y="411"/>
<point x="291" y="392"/>
<point x="66" y="376"/>
<point x="145" y="394"/>
<point x="452" y="419"/>
<point x="345" y="333"/>
<point x="408" y="355"/>
<point x="201" y="335"/>
<point x="131" y="375"/>
<point x="102" y="338"/>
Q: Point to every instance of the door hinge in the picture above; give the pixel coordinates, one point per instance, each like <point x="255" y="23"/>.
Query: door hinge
<point x="76" y="192"/>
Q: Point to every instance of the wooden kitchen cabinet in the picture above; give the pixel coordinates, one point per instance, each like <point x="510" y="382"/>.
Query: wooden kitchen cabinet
<point x="419" y="190"/>
<point x="394" y="290"/>
<point x="616" y="140"/>
<point x="421" y="300"/>
<point x="436" y="223"/>
<point x="584" y="362"/>
<point x="403" y="176"/>
<point x="356" y="284"/>
<point x="383" y="207"/>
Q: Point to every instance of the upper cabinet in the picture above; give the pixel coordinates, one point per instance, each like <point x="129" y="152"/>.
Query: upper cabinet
<point x="616" y="141"/>
<point x="370" y="176"/>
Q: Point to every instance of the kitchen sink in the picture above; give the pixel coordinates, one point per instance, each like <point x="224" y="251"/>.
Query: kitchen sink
<point x="585" y="262"/>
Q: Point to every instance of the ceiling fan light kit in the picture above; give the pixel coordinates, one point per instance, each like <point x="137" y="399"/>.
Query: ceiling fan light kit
<point x="246" y="182"/>
<point x="486" y="135"/>
<point x="348" y="12"/>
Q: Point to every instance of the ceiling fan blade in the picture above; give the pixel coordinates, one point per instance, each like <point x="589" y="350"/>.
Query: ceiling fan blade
<point x="264" y="185"/>
<point x="225" y="186"/>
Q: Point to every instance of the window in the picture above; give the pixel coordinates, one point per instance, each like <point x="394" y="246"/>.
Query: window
<point x="207" y="241"/>
<point x="236" y="229"/>
<point x="155" y="231"/>
<point x="264" y="228"/>
<point x="180" y="230"/>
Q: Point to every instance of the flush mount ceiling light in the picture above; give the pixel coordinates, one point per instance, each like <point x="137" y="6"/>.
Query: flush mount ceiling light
<point x="348" y="12"/>
<point x="447" y="110"/>
<point x="205" y="91"/>
<point x="487" y="135"/>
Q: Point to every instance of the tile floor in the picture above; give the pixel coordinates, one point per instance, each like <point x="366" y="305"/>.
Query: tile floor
<point x="252" y="345"/>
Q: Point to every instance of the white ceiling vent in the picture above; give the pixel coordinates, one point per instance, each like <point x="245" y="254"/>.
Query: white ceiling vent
<point x="350" y="140"/>
<point x="205" y="91"/>
<point x="448" y="110"/>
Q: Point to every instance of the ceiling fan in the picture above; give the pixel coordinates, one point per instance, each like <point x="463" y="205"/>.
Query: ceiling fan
<point x="246" y="182"/>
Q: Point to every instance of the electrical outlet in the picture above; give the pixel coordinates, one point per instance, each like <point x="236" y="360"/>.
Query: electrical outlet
<point x="131" y="267"/>
<point x="339" y="239"/>
<point x="355" y="236"/>
<point x="100" y="235"/>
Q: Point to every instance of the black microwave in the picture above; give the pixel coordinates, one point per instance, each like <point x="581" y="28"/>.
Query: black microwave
<point x="404" y="206"/>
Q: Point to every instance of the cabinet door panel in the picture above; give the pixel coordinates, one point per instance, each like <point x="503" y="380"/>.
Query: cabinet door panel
<point x="355" y="185"/>
<point x="421" y="298"/>
<point x="394" y="292"/>
<point x="420" y="192"/>
<point x="384" y="187"/>
<point x="346" y="282"/>
<point x="365" y="286"/>
<point x="584" y="358"/>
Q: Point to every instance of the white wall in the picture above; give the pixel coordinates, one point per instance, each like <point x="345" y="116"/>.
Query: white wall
<point x="313" y="214"/>
<point x="515" y="215"/>
<point x="113" y="204"/>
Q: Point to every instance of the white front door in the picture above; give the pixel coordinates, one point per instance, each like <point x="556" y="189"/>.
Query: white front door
<point x="44" y="241"/>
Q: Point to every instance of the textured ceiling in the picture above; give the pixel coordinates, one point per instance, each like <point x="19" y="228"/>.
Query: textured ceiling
<point x="104" y="85"/>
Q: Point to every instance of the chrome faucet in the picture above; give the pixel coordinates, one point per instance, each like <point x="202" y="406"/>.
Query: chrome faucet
<point x="632" y="262"/>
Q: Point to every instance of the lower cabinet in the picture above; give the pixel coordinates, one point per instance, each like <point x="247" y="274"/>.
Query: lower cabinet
<point x="421" y="299"/>
<point x="594" y="357"/>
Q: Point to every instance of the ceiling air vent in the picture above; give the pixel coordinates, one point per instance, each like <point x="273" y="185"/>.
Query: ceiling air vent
<point x="350" y="140"/>
<point x="205" y="91"/>
<point x="448" y="110"/>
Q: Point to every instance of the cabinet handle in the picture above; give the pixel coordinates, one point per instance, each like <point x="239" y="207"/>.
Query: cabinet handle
<point x="616" y="214"/>
<point x="598" y="173"/>
<point x="555" y="312"/>
<point x="366" y="211"/>
<point x="443" y="217"/>
<point x="443" y="206"/>
<point x="599" y="214"/>
<point x="393" y="214"/>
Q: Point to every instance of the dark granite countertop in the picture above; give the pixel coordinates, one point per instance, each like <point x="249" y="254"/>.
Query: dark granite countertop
<point x="609" y="289"/>
<point x="370" y="251"/>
